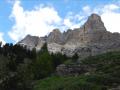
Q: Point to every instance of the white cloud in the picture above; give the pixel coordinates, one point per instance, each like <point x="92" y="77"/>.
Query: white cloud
<point x="67" y="22"/>
<point x="39" y="21"/>
<point x="42" y="19"/>
<point x="1" y="38"/>
<point x="72" y="20"/>
<point x="111" y="18"/>
<point x="70" y="24"/>
<point x="86" y="9"/>
<point x="111" y="21"/>
<point x="110" y="7"/>
<point x="108" y="13"/>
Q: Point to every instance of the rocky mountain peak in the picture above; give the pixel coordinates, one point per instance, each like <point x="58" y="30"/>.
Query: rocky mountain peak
<point x="94" y="17"/>
<point x="90" y="39"/>
<point x="29" y="41"/>
<point x="55" y="37"/>
<point x="56" y="31"/>
<point x="28" y="36"/>
<point x="94" y="23"/>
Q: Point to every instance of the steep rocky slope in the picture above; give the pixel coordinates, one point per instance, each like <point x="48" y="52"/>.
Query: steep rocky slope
<point x="90" y="39"/>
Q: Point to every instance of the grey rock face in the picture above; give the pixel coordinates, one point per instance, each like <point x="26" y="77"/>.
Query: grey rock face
<point x="55" y="37"/>
<point x="90" y="39"/>
<point x="54" y="47"/>
<point x="72" y="70"/>
<point x="94" y="23"/>
<point x="31" y="42"/>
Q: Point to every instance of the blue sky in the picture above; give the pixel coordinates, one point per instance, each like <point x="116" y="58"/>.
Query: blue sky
<point x="39" y="17"/>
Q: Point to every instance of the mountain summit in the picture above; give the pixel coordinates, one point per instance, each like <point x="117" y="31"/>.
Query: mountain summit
<point x="94" y="23"/>
<point x="55" y="37"/>
<point x="90" y="39"/>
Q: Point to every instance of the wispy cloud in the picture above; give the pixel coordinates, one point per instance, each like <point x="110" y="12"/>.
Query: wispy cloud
<point x="86" y="9"/>
<point x="1" y="38"/>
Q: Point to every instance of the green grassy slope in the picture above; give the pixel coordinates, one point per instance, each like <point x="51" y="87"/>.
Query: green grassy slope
<point x="106" y="74"/>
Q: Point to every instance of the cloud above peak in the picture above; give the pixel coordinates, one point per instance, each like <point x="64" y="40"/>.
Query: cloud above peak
<point x="43" y="19"/>
<point x="38" y="22"/>
<point x="111" y="17"/>
<point x="109" y="14"/>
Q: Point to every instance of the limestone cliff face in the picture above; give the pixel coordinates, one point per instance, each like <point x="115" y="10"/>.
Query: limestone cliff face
<point x="90" y="39"/>
<point x="94" y="23"/>
<point x="31" y="42"/>
<point x="55" y="37"/>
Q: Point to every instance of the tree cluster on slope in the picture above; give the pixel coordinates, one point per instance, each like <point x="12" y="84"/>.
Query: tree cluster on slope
<point x="20" y="67"/>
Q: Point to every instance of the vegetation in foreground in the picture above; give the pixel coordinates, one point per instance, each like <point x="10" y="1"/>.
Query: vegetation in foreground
<point x="105" y="75"/>
<point x="22" y="69"/>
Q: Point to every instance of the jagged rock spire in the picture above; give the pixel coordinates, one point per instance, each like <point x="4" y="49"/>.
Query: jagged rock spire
<point x="94" y="23"/>
<point x="55" y="37"/>
<point x="91" y="39"/>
